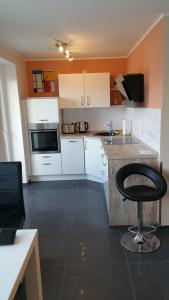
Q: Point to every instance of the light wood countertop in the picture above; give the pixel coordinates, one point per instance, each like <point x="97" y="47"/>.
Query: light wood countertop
<point x="123" y="151"/>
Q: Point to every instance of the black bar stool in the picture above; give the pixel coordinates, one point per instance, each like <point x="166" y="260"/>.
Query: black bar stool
<point x="140" y="238"/>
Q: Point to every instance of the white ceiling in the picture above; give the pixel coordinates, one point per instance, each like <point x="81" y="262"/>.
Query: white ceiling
<point x="94" y="28"/>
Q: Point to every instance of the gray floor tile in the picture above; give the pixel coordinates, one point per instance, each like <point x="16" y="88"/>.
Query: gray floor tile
<point x="97" y="282"/>
<point x="95" y="247"/>
<point x="52" y="280"/>
<point x="150" y="280"/>
<point x="90" y="220"/>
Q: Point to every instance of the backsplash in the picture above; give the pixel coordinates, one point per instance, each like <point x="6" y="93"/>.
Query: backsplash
<point x="96" y="117"/>
<point x="145" y="121"/>
<point x="146" y="125"/>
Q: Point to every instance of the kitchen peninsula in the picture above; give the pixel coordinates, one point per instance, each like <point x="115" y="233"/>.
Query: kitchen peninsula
<point x="120" y="212"/>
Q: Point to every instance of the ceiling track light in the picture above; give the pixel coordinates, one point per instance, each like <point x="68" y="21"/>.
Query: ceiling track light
<point x="63" y="47"/>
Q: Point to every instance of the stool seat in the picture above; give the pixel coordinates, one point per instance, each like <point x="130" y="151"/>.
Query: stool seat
<point x="143" y="193"/>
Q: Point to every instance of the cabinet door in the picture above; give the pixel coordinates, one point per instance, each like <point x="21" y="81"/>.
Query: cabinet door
<point x="93" y="163"/>
<point x="46" y="164"/>
<point x="97" y="89"/>
<point x="71" y="90"/>
<point x="72" y="156"/>
<point x="42" y="110"/>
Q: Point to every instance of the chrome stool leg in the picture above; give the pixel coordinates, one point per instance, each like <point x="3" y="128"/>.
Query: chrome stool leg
<point x="140" y="238"/>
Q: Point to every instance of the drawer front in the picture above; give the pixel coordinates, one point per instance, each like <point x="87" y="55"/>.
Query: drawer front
<point x="46" y="168"/>
<point x="46" y="157"/>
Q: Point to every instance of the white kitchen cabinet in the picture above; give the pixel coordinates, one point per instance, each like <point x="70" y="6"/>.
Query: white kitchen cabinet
<point x="93" y="157"/>
<point x="46" y="164"/>
<point x="42" y="110"/>
<point x="84" y="90"/>
<point x="72" y="150"/>
<point x="97" y="89"/>
<point x="71" y="90"/>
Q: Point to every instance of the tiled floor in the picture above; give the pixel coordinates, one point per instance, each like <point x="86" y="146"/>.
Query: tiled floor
<point x="81" y="257"/>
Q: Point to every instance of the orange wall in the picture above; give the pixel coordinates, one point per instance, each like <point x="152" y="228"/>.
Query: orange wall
<point x="147" y="58"/>
<point x="114" y="66"/>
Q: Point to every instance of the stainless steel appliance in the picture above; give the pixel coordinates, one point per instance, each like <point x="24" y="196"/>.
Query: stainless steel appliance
<point x="44" y="138"/>
<point x="68" y="128"/>
<point x="83" y="126"/>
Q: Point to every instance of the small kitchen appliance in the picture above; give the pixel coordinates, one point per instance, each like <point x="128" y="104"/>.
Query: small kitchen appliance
<point x="68" y="128"/>
<point x="83" y="126"/>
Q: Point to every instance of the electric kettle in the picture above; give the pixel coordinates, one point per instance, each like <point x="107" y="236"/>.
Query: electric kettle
<point x="83" y="126"/>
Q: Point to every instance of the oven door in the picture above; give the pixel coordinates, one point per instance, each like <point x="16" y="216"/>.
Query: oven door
<point x="44" y="141"/>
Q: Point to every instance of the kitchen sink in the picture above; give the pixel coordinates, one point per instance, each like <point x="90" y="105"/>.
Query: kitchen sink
<point x="103" y="133"/>
<point x="120" y="140"/>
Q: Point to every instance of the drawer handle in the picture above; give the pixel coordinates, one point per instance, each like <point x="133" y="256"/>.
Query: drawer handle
<point x="46" y="164"/>
<point x="85" y="145"/>
<point x="47" y="156"/>
<point x="73" y="141"/>
<point x="102" y="156"/>
<point x="43" y="120"/>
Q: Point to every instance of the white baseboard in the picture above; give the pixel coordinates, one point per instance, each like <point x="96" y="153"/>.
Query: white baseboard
<point x="66" y="177"/>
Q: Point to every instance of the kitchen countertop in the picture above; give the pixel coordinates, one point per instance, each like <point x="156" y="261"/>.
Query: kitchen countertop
<point x="123" y="151"/>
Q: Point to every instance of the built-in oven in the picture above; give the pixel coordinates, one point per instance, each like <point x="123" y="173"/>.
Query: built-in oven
<point x="44" y="137"/>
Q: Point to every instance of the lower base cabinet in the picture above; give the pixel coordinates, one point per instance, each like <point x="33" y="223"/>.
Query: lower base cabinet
<point x="46" y="164"/>
<point x="72" y="155"/>
<point x="95" y="159"/>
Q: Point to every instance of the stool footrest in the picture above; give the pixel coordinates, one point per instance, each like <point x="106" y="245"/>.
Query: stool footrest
<point x="144" y="230"/>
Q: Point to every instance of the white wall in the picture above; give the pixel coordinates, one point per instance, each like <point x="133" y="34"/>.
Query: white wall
<point x="13" y="57"/>
<point x="21" y="91"/>
<point x="96" y="117"/>
<point x="12" y="107"/>
<point x="146" y="124"/>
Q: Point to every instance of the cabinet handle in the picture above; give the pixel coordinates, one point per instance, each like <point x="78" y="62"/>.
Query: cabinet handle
<point x="73" y="141"/>
<point x="82" y="101"/>
<point x="44" y="120"/>
<point x="47" y="156"/>
<point x="85" y="145"/>
<point x="46" y="164"/>
<point x="88" y="100"/>
<point x="102" y="156"/>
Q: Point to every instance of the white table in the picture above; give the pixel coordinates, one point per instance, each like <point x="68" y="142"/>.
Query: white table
<point x="18" y="260"/>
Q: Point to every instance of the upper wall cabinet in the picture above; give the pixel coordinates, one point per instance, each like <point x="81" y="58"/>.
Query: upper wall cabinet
<point x="84" y="90"/>
<point x="42" y="110"/>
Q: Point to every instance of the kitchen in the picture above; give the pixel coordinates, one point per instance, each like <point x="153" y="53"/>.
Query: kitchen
<point x="80" y="196"/>
<point x="89" y="159"/>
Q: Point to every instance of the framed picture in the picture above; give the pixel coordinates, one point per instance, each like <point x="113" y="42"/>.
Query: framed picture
<point x="43" y="81"/>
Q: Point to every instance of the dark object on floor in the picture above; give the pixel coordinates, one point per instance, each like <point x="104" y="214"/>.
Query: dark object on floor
<point x="7" y="236"/>
<point x="140" y="238"/>
<point x="12" y="212"/>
